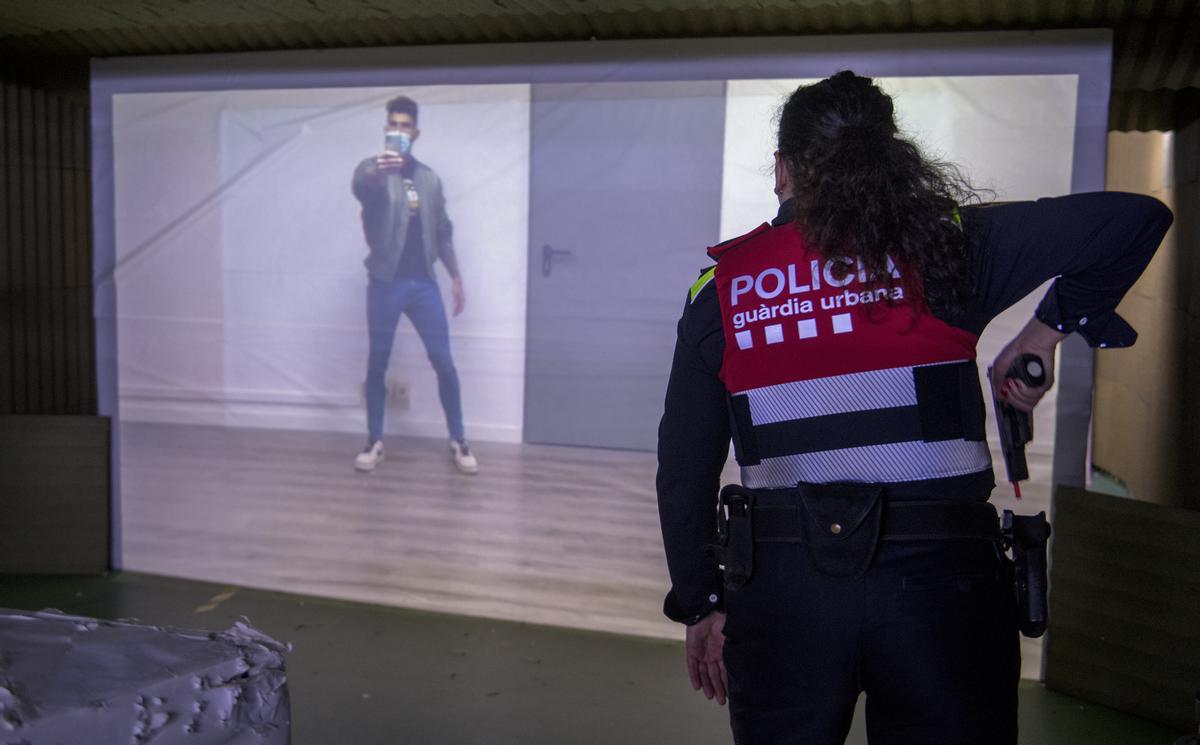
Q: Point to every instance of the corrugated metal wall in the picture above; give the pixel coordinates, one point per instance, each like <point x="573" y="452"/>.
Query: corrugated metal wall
<point x="47" y="355"/>
<point x="1156" y="48"/>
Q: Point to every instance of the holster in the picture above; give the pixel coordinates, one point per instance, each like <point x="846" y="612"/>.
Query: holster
<point x="734" y="550"/>
<point x="1027" y="536"/>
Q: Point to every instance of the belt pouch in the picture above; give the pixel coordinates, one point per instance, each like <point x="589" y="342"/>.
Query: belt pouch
<point x="841" y="526"/>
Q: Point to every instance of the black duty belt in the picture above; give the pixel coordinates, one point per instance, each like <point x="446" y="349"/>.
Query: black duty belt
<point x="901" y="521"/>
<point x="840" y="524"/>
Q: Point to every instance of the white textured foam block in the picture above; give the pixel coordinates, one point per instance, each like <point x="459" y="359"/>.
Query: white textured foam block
<point x="67" y="679"/>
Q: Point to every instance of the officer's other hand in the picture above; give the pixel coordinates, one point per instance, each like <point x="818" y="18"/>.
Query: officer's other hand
<point x="1036" y="338"/>
<point x="389" y="161"/>
<point x="705" y="662"/>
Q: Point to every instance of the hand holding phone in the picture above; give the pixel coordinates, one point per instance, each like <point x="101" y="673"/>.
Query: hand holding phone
<point x="396" y="147"/>
<point x="397" y="142"/>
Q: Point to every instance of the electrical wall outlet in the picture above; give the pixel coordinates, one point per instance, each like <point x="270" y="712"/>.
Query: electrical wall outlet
<point x="398" y="393"/>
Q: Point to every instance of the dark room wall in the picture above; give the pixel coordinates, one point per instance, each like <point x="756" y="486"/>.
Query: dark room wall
<point x="54" y="450"/>
<point x="47" y="359"/>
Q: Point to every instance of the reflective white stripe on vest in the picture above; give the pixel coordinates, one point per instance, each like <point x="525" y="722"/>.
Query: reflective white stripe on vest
<point x="844" y="394"/>
<point x="902" y="461"/>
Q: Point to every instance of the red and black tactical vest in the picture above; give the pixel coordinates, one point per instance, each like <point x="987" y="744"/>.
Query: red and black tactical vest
<point x="834" y="378"/>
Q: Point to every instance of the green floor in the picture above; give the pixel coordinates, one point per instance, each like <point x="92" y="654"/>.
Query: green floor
<point x="370" y="675"/>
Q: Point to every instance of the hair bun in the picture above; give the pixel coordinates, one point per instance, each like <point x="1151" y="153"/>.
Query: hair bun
<point x="848" y="77"/>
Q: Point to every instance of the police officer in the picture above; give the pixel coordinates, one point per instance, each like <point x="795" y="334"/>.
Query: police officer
<point x="836" y="346"/>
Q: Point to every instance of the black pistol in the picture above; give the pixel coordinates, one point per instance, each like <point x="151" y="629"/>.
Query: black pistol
<point x="1016" y="427"/>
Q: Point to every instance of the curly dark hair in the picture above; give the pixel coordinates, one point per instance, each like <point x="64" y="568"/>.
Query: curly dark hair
<point x="865" y="192"/>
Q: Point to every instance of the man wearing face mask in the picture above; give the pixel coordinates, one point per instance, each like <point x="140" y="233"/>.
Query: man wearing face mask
<point x="407" y="231"/>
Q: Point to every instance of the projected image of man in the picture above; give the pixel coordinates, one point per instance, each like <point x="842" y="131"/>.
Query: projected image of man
<point x="407" y="231"/>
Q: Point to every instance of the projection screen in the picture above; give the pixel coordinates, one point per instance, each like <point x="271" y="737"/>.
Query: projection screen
<point x="583" y="180"/>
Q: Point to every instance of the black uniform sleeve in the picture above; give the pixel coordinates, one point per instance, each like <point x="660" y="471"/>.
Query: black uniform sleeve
<point x="1096" y="244"/>
<point x="693" y="445"/>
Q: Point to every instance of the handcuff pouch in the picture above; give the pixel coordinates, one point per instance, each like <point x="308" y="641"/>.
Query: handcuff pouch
<point x="841" y="526"/>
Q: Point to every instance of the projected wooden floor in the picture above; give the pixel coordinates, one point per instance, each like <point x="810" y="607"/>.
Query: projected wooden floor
<point x="551" y="535"/>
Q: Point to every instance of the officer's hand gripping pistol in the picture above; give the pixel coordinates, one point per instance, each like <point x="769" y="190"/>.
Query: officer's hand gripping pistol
<point x="1016" y="427"/>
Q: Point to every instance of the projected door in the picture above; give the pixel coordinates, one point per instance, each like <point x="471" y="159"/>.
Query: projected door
<point x="625" y="194"/>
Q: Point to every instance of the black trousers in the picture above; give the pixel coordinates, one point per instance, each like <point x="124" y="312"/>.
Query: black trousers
<point x="929" y="634"/>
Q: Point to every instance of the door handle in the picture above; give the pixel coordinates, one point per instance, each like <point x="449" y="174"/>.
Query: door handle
<point x="548" y="254"/>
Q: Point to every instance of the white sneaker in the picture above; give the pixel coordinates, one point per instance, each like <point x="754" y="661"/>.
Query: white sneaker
<point x="461" y="455"/>
<point x="369" y="458"/>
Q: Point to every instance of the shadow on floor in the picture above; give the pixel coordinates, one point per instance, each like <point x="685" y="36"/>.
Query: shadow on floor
<point x="373" y="675"/>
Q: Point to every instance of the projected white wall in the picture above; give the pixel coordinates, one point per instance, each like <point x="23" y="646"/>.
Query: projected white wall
<point x="239" y="257"/>
<point x="240" y="250"/>
<point x="1012" y="135"/>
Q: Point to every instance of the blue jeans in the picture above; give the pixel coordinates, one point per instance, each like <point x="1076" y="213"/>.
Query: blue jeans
<point x="421" y="300"/>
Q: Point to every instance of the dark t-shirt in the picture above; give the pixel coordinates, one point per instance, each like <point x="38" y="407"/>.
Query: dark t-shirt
<point x="412" y="261"/>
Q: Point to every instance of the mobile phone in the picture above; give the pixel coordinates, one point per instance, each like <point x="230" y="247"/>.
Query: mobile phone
<point x="397" y="142"/>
